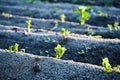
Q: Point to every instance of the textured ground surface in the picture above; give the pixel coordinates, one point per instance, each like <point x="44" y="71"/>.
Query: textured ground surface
<point x="23" y="66"/>
<point x="45" y="35"/>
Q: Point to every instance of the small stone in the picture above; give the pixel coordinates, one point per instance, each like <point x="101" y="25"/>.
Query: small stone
<point x="36" y="68"/>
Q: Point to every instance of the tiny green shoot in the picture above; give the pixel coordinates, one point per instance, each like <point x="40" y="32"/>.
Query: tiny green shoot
<point x="28" y="22"/>
<point x="62" y="17"/>
<point x="117" y="68"/>
<point x="83" y="14"/>
<point x="100" y="13"/>
<point x="13" y="48"/>
<point x="109" y="27"/>
<point x="90" y="32"/>
<point x="106" y="65"/>
<point x="116" y="25"/>
<point x="59" y="51"/>
<point x="82" y="52"/>
<point x="64" y="31"/>
<point x="7" y="15"/>
<point x="10" y="49"/>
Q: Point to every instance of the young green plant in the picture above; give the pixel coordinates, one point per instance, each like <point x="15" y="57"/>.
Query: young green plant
<point x="83" y="14"/>
<point x="90" y="32"/>
<point x="59" y="51"/>
<point x="64" y="31"/>
<point x="116" y="25"/>
<point x="13" y="48"/>
<point x="7" y="15"/>
<point x="110" y="27"/>
<point x="106" y="65"/>
<point x="28" y="22"/>
<point x="117" y="68"/>
<point x="62" y="17"/>
<point x="100" y="13"/>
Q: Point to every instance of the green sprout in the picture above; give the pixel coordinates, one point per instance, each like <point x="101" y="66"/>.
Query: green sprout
<point x="100" y="13"/>
<point x="83" y="14"/>
<point x="13" y="48"/>
<point x="62" y="17"/>
<point x="90" y="32"/>
<point x="10" y="49"/>
<point x="7" y="15"/>
<point x="81" y="52"/>
<point x="106" y="65"/>
<point x="64" y="31"/>
<point x="59" y="51"/>
<point x="109" y="27"/>
<point x="117" y="68"/>
<point x="116" y="25"/>
<point x="28" y="22"/>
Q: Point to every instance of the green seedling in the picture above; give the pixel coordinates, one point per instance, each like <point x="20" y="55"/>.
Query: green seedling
<point x="64" y="31"/>
<point x="28" y="22"/>
<point x="10" y="49"/>
<point x="59" y="51"/>
<point x="62" y="17"/>
<point x="116" y="25"/>
<point x="100" y="13"/>
<point x="82" y="52"/>
<point x="13" y="48"/>
<point x="90" y="32"/>
<point x="83" y="14"/>
<point x="7" y="15"/>
<point x="110" y="27"/>
<point x="117" y="68"/>
<point x="106" y="65"/>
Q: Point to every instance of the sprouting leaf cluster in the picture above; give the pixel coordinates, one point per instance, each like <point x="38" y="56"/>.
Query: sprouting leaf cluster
<point x="13" y="48"/>
<point x="117" y="68"/>
<point x="7" y="15"/>
<point x="28" y="22"/>
<point x="83" y="14"/>
<point x="106" y="65"/>
<point x="59" y="51"/>
<point x="100" y="13"/>
<point x="116" y="26"/>
<point x="64" y="31"/>
<point x="90" y="31"/>
<point x="62" y="17"/>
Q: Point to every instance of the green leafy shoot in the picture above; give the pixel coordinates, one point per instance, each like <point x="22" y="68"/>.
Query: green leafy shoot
<point x="117" y="68"/>
<point x="59" y="51"/>
<point x="7" y="15"/>
<point x="106" y="65"/>
<point x="10" y="49"/>
<point x="110" y="27"/>
<point x="116" y="25"/>
<point x="13" y="48"/>
<point x="28" y="22"/>
<point x="64" y="31"/>
<point x="83" y="14"/>
<point x="100" y="13"/>
<point x="82" y="52"/>
<point x="90" y="32"/>
<point x="62" y="17"/>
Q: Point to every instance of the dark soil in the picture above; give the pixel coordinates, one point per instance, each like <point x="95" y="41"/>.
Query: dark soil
<point x="44" y="35"/>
